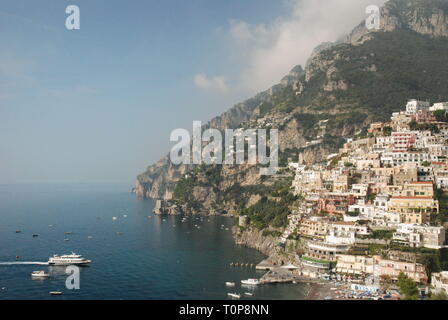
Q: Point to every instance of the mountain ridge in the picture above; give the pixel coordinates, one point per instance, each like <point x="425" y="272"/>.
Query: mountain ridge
<point x="345" y="86"/>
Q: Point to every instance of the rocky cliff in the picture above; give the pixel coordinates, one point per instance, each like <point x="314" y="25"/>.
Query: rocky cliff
<point x="345" y="86"/>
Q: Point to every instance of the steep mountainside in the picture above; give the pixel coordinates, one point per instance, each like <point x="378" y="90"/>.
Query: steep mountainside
<point x="345" y="86"/>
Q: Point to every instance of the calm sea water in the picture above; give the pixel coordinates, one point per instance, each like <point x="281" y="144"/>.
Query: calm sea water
<point x="134" y="257"/>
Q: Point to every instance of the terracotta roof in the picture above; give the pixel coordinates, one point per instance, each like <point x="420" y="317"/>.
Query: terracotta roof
<point x="421" y="182"/>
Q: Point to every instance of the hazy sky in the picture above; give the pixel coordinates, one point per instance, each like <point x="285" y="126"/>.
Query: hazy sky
<point x="98" y="104"/>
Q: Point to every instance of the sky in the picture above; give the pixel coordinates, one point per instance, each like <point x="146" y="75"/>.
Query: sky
<point x="98" y="104"/>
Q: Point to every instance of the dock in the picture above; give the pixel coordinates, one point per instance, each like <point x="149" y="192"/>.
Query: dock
<point x="265" y="265"/>
<point x="273" y="277"/>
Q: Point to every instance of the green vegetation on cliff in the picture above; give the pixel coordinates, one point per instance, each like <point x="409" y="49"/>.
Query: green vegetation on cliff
<point x="407" y="287"/>
<point x="382" y="73"/>
<point x="273" y="208"/>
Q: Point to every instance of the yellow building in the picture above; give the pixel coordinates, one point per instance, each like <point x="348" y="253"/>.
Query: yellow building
<point x="413" y="189"/>
<point x="316" y="229"/>
<point x="414" y="209"/>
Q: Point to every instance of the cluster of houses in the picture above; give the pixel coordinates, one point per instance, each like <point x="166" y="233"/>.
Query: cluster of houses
<point x="378" y="190"/>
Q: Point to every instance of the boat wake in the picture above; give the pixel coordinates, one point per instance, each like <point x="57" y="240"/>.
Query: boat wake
<point x="23" y="263"/>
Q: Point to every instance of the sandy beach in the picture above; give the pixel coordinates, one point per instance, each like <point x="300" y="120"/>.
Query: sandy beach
<point x="323" y="291"/>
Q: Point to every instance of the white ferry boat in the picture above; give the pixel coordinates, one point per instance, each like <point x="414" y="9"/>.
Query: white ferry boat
<point x="40" y="274"/>
<point x="70" y="259"/>
<point x="251" y="282"/>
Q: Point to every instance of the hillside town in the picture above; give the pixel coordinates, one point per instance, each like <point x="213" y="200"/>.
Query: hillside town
<point x="374" y="212"/>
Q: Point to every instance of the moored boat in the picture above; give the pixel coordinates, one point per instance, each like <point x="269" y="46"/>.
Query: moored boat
<point x="234" y="295"/>
<point x="40" y="274"/>
<point x="230" y="284"/>
<point x="251" y="282"/>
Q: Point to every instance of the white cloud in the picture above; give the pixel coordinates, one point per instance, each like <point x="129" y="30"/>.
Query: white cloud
<point x="217" y="83"/>
<point x="272" y="50"/>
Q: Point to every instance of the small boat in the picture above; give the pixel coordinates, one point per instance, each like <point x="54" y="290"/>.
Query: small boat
<point x="55" y="293"/>
<point x="114" y="218"/>
<point x="66" y="240"/>
<point x="68" y="232"/>
<point x="251" y="282"/>
<point x="230" y="284"/>
<point x="89" y="237"/>
<point x="125" y="216"/>
<point x="248" y="294"/>
<point x="35" y="235"/>
<point x="234" y="295"/>
<point x="40" y="274"/>
<point x="120" y="233"/>
<point x="18" y="231"/>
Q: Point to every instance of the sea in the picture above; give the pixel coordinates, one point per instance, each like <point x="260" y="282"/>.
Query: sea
<point x="135" y="256"/>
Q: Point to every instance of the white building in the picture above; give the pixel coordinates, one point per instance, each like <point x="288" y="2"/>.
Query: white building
<point x="381" y="202"/>
<point x="439" y="106"/>
<point x="420" y="236"/>
<point x="415" y="105"/>
<point x="360" y="190"/>
<point x="440" y="282"/>
<point x="345" y="232"/>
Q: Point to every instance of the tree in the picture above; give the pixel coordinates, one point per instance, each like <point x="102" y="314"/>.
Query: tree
<point x="407" y="287"/>
<point x="426" y="163"/>
<point x="441" y="115"/>
<point x="387" y="131"/>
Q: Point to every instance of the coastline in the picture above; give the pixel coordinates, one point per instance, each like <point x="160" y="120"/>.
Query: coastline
<point x="315" y="289"/>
